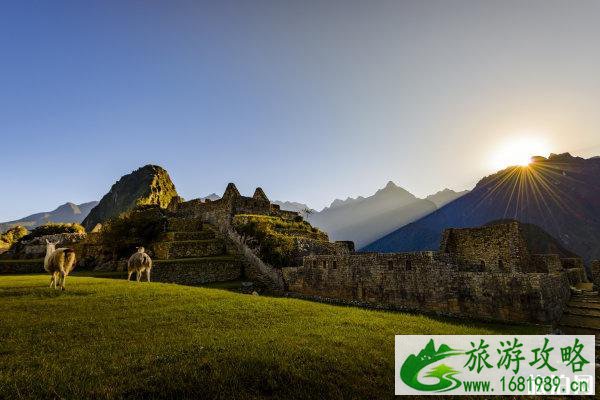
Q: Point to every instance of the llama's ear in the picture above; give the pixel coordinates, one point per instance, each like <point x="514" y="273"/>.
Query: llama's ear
<point x="47" y="242"/>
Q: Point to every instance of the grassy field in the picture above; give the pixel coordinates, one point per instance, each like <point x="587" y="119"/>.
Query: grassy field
<point x="106" y="338"/>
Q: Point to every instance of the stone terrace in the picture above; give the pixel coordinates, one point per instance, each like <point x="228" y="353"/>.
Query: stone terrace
<point x="192" y="252"/>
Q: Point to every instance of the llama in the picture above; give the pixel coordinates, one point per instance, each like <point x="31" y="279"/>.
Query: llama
<point x="58" y="263"/>
<point x="138" y="263"/>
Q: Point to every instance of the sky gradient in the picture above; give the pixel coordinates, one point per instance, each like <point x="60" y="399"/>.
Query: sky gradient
<point x="311" y="100"/>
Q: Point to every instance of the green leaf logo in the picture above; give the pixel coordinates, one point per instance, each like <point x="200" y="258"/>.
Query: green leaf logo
<point x="409" y="372"/>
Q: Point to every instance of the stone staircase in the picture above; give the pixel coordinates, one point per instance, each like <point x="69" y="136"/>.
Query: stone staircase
<point x="582" y="314"/>
<point x="193" y="252"/>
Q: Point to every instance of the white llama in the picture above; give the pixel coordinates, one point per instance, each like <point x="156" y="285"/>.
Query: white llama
<point x="138" y="263"/>
<point x="58" y="263"/>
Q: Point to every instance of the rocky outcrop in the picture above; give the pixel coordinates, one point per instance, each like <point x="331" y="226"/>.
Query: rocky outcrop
<point x="149" y="185"/>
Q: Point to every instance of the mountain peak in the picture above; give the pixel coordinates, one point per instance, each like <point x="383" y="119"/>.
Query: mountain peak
<point x="445" y="196"/>
<point x="393" y="189"/>
<point x="292" y="206"/>
<point x="211" y="197"/>
<point x="68" y="207"/>
<point x="147" y="185"/>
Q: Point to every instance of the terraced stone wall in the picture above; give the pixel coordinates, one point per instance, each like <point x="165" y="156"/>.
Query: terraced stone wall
<point x="424" y="282"/>
<point x="196" y="272"/>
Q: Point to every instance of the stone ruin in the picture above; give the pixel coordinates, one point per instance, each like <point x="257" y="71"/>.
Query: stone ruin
<point x="194" y="249"/>
<point x="198" y="246"/>
<point x="485" y="273"/>
<point x="231" y="204"/>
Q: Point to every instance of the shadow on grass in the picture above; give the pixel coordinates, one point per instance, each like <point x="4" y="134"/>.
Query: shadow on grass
<point x="99" y="274"/>
<point x="234" y="286"/>
<point x="39" y="292"/>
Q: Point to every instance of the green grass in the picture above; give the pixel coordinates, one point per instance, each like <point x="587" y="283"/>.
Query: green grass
<point x="106" y="338"/>
<point x="234" y="285"/>
<point x="99" y="274"/>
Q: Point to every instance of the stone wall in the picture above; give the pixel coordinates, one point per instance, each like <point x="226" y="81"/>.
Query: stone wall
<point x="428" y="283"/>
<point x="232" y="203"/>
<point x="206" y="248"/>
<point x="497" y="247"/>
<point x="575" y="275"/>
<point x="93" y="253"/>
<point x="596" y="274"/>
<point x="545" y="263"/>
<point x="568" y="263"/>
<point x="196" y="273"/>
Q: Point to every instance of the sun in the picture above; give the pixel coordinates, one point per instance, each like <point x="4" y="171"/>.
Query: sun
<point x="518" y="152"/>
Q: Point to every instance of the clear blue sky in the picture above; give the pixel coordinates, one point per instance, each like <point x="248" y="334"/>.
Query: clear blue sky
<point x="311" y="100"/>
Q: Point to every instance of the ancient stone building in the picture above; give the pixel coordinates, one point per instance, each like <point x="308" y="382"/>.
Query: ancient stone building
<point x="484" y="273"/>
<point x="489" y="248"/>
<point x="232" y="203"/>
<point x="181" y="260"/>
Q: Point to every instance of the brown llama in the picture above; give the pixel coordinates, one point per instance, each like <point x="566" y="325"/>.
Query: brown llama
<point x="138" y="263"/>
<point x="58" y="263"/>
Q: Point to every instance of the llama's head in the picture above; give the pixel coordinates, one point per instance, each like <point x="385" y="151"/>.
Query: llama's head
<point x="50" y="246"/>
<point x="140" y="249"/>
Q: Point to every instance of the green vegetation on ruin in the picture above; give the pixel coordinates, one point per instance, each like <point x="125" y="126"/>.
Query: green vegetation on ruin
<point x="143" y="225"/>
<point x="275" y="237"/>
<point x="54" y="229"/>
<point x="12" y="236"/>
<point x="107" y="338"/>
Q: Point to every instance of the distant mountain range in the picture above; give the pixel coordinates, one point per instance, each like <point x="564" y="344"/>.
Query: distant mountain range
<point x="211" y="197"/>
<point x="292" y="206"/>
<point x="365" y="219"/>
<point x="561" y="194"/>
<point x="68" y="212"/>
<point x="445" y="196"/>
